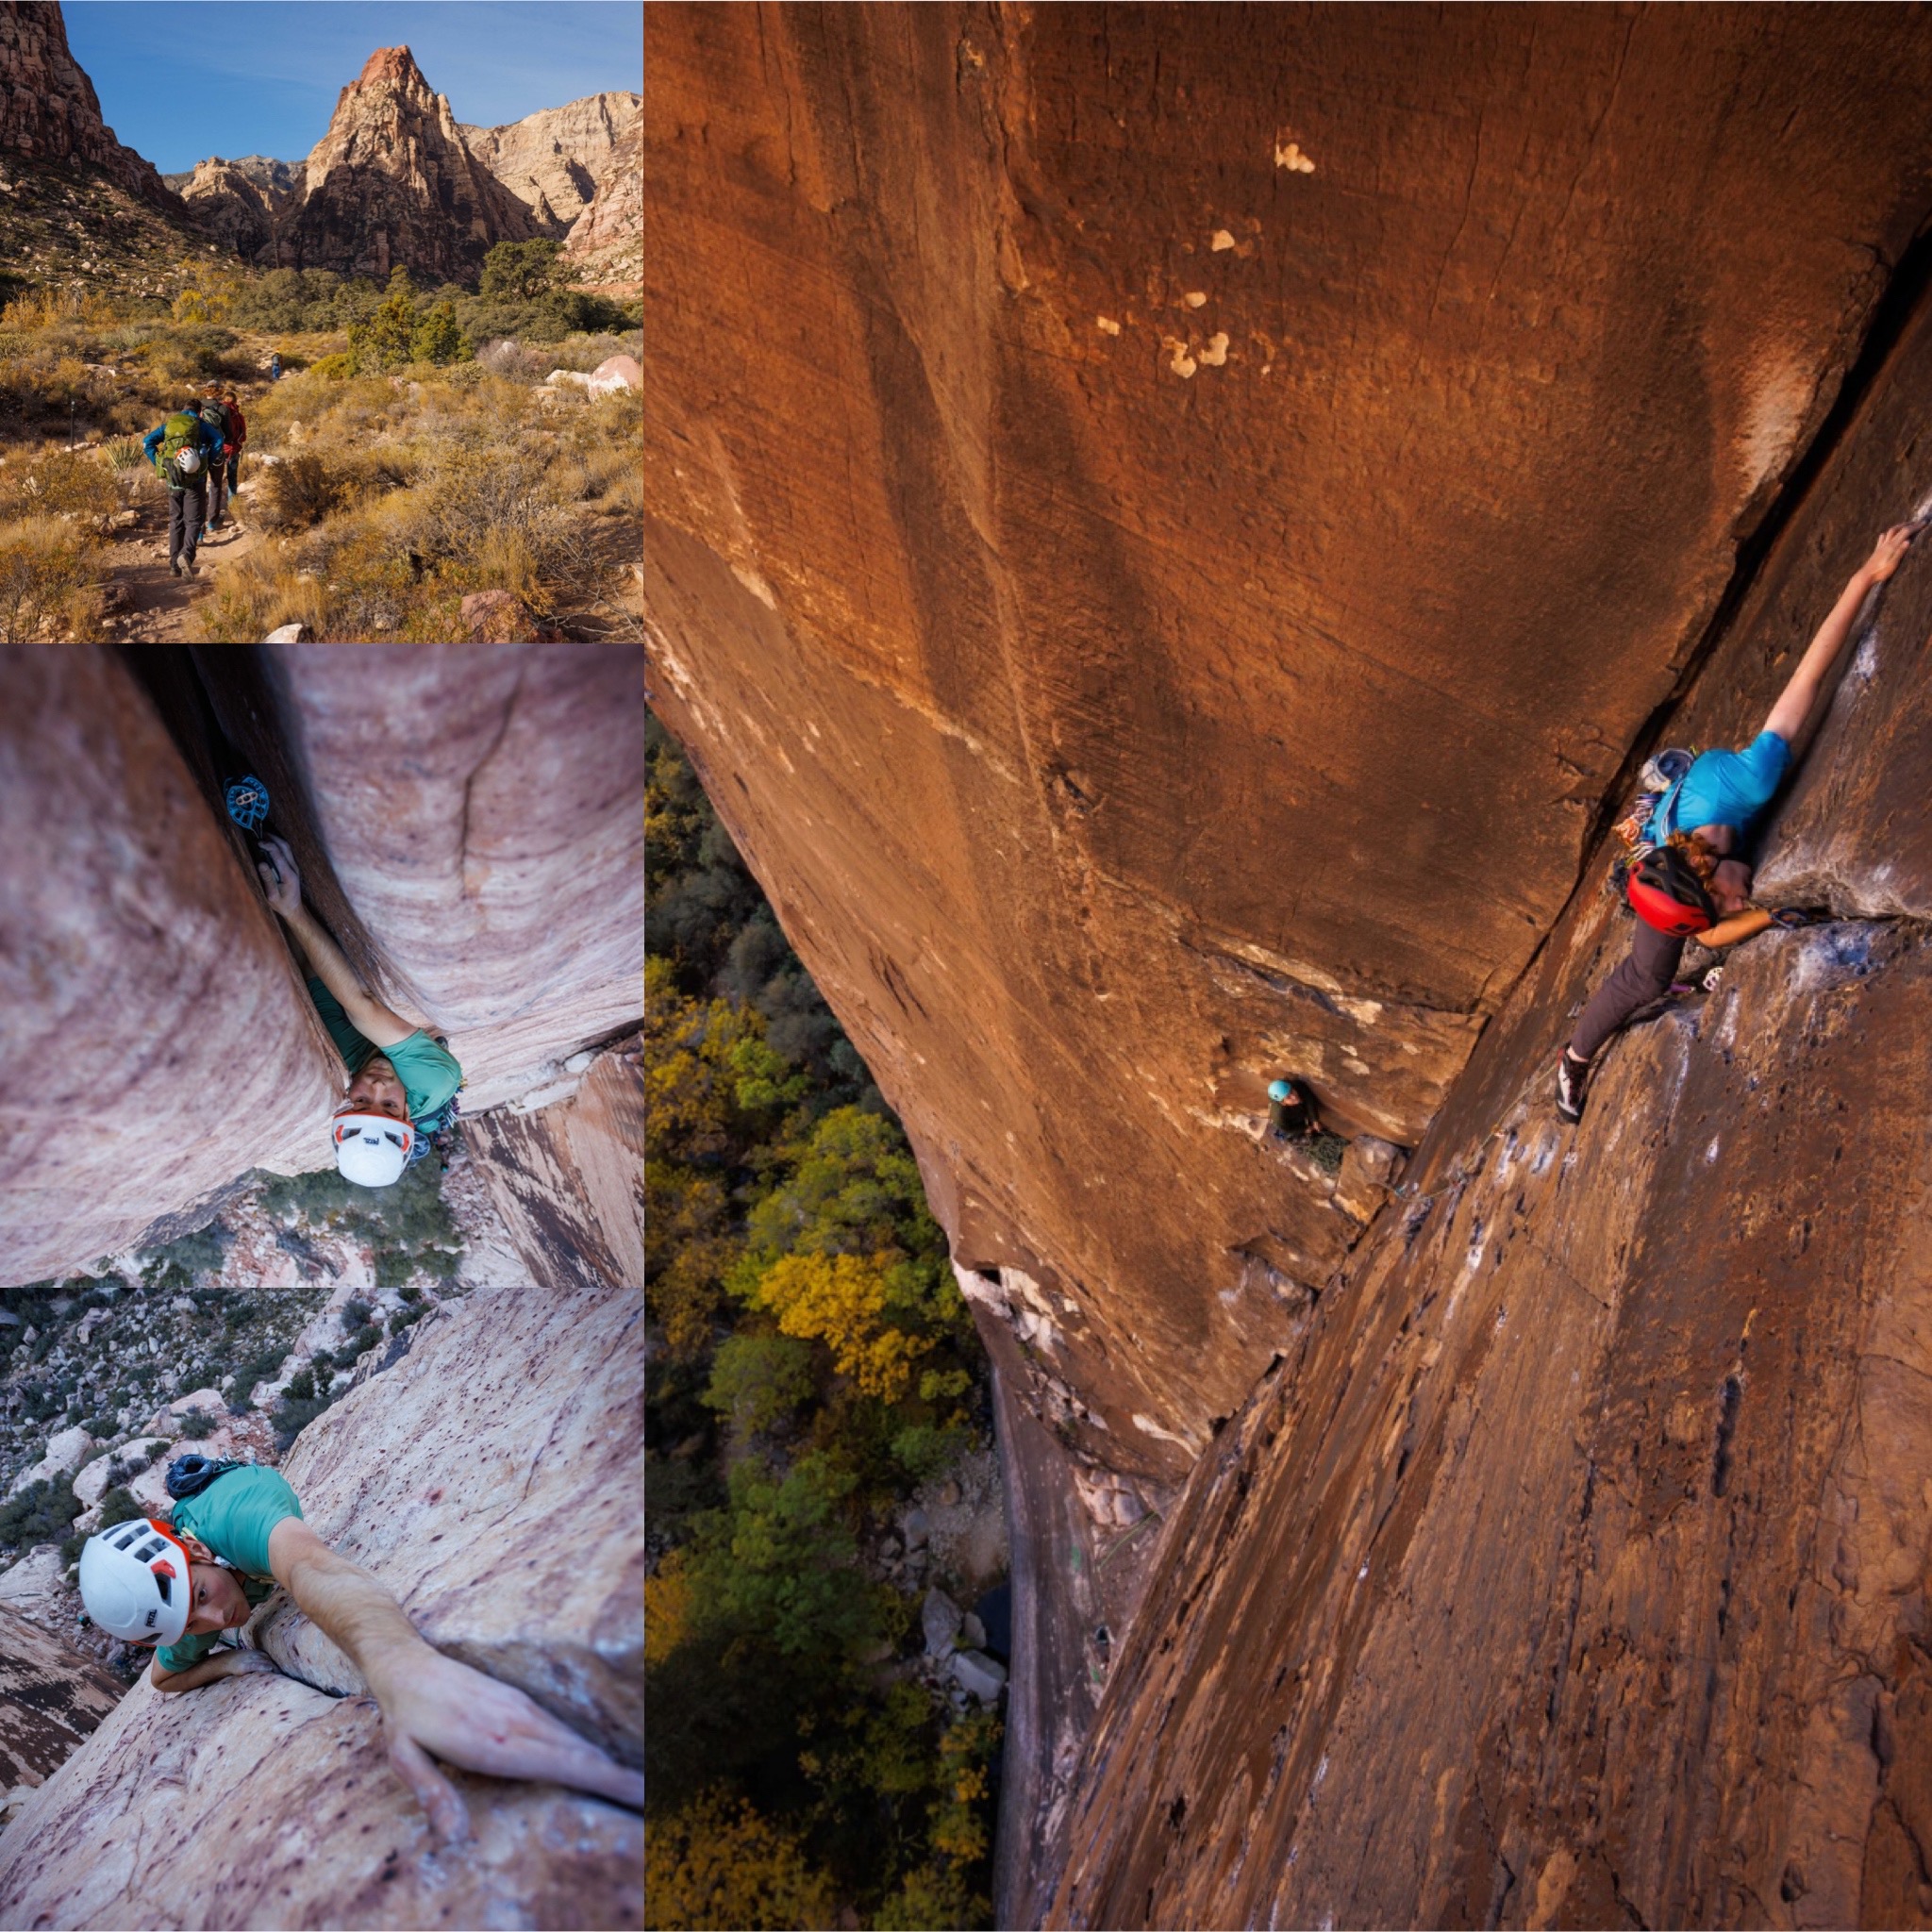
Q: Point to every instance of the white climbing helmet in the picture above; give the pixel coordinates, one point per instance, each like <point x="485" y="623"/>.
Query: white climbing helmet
<point x="187" y="461"/>
<point x="371" y="1149"/>
<point x="134" y="1581"/>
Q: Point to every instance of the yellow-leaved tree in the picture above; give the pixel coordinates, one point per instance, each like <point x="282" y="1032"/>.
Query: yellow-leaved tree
<point x="846" y="1302"/>
<point x="717" y="1863"/>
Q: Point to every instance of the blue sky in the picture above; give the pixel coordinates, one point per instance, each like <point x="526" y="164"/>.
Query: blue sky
<point x="276" y="66"/>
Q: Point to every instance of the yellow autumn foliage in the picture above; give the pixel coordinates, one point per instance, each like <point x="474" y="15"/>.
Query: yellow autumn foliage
<point x="668" y="1605"/>
<point x="720" y="1864"/>
<point x="841" y="1300"/>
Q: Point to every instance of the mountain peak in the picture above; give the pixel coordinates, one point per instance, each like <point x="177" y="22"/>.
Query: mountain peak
<point x="395" y="65"/>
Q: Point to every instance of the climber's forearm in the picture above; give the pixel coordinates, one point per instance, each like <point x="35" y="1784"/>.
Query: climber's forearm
<point x="323" y="955"/>
<point x="225" y="1662"/>
<point x="347" y="1604"/>
<point x="1793" y="707"/>
<point x="1739" y="926"/>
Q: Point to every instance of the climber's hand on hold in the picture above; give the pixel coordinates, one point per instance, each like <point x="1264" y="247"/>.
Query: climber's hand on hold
<point x="1887" y="553"/>
<point x="432" y="1704"/>
<point x="284" y="895"/>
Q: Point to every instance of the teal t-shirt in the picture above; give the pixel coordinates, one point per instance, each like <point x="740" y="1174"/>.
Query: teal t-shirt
<point x="233" y="1517"/>
<point x="429" y="1073"/>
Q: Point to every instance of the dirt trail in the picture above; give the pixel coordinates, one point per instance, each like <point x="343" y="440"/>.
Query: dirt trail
<point x="156" y="604"/>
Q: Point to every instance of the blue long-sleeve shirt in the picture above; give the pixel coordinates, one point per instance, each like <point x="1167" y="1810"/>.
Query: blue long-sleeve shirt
<point x="208" y="442"/>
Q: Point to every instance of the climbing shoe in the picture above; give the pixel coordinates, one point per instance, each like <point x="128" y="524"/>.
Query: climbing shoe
<point x="247" y="802"/>
<point x="1573" y="1075"/>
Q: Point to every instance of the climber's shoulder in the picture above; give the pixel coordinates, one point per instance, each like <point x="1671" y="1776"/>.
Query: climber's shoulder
<point x="377" y="1023"/>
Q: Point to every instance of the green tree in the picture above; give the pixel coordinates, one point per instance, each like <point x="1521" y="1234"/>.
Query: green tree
<point x="521" y="269"/>
<point x="438" y="339"/>
<point x="383" y="340"/>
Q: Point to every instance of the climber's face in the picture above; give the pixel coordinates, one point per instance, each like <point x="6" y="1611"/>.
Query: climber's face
<point x="217" y="1603"/>
<point x="376" y="1089"/>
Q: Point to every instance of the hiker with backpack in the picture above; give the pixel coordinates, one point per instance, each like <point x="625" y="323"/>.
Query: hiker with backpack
<point x="1686" y="873"/>
<point x="214" y="414"/>
<point x="182" y="450"/>
<point x="238" y="435"/>
<point x="172" y="1584"/>
<point x="403" y="1084"/>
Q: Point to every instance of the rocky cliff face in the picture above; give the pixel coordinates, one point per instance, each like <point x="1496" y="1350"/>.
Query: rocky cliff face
<point x="489" y="1476"/>
<point x="556" y="161"/>
<point x="482" y="806"/>
<point x="231" y="204"/>
<point x="51" y="1698"/>
<point x="606" y="244"/>
<point x="1155" y="624"/>
<point x="1175" y="606"/>
<point x="392" y="181"/>
<point x="49" y="111"/>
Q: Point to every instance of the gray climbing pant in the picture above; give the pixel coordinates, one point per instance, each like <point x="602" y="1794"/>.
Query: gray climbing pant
<point x="1644" y="975"/>
<point x="186" y="509"/>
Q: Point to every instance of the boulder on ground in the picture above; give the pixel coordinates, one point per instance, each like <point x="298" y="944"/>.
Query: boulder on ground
<point x="501" y="617"/>
<point x="288" y="634"/>
<point x="65" y="1451"/>
<point x="615" y="371"/>
<point x="939" y="1617"/>
<point x="32" y="1587"/>
<point x="978" y="1675"/>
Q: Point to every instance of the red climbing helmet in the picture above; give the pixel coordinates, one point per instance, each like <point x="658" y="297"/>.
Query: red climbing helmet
<point x="1666" y="892"/>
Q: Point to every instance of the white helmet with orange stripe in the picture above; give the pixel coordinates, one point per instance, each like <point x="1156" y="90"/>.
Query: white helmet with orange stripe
<point x="371" y="1149"/>
<point x="134" y="1581"/>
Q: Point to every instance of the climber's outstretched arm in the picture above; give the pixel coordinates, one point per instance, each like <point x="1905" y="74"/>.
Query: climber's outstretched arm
<point x="1793" y="707"/>
<point x="429" y="1702"/>
<point x="367" y="1014"/>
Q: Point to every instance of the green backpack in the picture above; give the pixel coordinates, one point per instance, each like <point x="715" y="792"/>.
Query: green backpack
<point x="182" y="431"/>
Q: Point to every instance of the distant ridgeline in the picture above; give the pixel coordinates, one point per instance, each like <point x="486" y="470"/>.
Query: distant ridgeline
<point x="811" y="1363"/>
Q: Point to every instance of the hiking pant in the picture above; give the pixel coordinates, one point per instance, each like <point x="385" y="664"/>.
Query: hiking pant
<point x="1644" y="975"/>
<point x="218" y="491"/>
<point x="234" y="472"/>
<point x="186" y="510"/>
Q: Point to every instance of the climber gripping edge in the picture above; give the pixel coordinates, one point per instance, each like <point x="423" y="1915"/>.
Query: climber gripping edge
<point x="403" y="1084"/>
<point x="1687" y="876"/>
<point x="173" y="1584"/>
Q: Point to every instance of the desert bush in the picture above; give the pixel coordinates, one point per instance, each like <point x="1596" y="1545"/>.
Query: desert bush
<point x="294" y="492"/>
<point x="40" y="1514"/>
<point x="197" y="1423"/>
<point x="40" y="308"/>
<point x="53" y="480"/>
<point x="47" y="574"/>
<point x="124" y="452"/>
<point x="587" y="352"/>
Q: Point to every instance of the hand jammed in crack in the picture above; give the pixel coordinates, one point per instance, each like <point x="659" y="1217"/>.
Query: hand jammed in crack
<point x="432" y="1706"/>
<point x="285" y="896"/>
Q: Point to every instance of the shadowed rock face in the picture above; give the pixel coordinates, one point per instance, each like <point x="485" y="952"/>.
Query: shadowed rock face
<point x="1164" y="534"/>
<point x="606" y="240"/>
<point x="233" y="206"/>
<point x="51" y="1698"/>
<point x="49" y="111"/>
<point x="490" y="1478"/>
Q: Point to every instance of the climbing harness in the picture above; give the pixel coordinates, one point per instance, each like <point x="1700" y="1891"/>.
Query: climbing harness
<point x="188" y="1476"/>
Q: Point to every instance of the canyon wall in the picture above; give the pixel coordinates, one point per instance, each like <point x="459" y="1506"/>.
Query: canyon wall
<point x="478" y="809"/>
<point x="1163" y="530"/>
<point x="489" y="1476"/>
<point x="1165" y="546"/>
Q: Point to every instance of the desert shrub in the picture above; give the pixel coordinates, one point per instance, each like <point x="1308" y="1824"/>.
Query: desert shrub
<point x="482" y="494"/>
<point x="197" y="1423"/>
<point x="124" y="452"/>
<point x="335" y="367"/>
<point x="40" y="1513"/>
<point x="295" y="492"/>
<point x="354" y="1314"/>
<point x="587" y="352"/>
<point x="436" y="339"/>
<point x="52" y="481"/>
<point x="47" y="571"/>
<point x="39" y="309"/>
<point x="301" y="1386"/>
<point x="259" y="1368"/>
